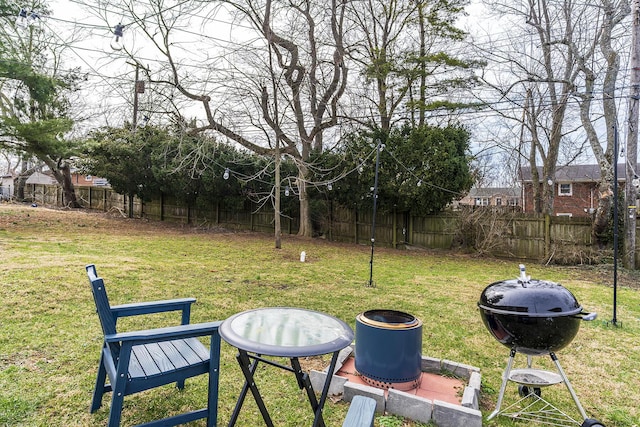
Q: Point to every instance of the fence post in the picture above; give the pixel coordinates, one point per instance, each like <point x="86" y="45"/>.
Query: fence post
<point x="355" y="226"/>
<point x="410" y="230"/>
<point x="394" y="224"/>
<point x="331" y="220"/>
<point x="547" y="236"/>
<point x="251" y="216"/>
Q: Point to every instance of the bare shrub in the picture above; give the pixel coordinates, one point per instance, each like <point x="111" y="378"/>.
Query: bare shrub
<point x="483" y="230"/>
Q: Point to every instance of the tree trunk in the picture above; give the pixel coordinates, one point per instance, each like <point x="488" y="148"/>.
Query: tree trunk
<point x="603" y="212"/>
<point x="306" y="228"/>
<point x="631" y="193"/>
<point x="62" y="174"/>
<point x="68" y="189"/>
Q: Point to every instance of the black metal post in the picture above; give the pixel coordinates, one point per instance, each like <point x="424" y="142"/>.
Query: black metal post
<point x="375" y="207"/>
<point x="614" y="320"/>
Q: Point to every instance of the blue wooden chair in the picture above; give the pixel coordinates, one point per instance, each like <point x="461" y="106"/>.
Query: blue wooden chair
<point x="141" y="360"/>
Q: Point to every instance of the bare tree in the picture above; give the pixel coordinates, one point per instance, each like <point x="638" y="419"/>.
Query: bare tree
<point x="631" y="188"/>
<point x="534" y="75"/>
<point x="571" y="52"/>
<point x="236" y="88"/>
<point x="601" y="69"/>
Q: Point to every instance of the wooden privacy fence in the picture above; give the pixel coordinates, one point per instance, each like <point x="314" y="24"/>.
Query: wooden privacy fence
<point x="521" y="236"/>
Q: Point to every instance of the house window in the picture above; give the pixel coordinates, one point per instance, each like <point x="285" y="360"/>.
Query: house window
<point x="565" y="214"/>
<point x="513" y="202"/>
<point x="480" y="201"/>
<point x="498" y="201"/>
<point x="565" y="190"/>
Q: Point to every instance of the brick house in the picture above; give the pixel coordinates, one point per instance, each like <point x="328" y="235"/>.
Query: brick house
<point x="487" y="196"/>
<point x="575" y="187"/>
<point x="87" y="180"/>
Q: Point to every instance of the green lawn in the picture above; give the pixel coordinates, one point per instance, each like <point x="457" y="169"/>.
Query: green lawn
<point x="50" y="338"/>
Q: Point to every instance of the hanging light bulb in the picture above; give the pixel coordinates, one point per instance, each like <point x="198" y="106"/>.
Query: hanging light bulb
<point x="32" y="18"/>
<point x="118" y="33"/>
<point x="420" y="183"/>
<point x="286" y="191"/>
<point x="329" y="187"/>
<point x="226" y="173"/>
<point x="21" y="20"/>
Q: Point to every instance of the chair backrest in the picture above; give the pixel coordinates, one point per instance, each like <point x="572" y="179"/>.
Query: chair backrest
<point x="107" y="320"/>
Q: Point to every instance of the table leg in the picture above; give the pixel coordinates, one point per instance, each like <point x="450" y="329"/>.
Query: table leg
<point x="318" y="421"/>
<point x="304" y="382"/>
<point x="248" y="369"/>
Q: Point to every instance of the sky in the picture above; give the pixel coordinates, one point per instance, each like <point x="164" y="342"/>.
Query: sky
<point x="109" y="89"/>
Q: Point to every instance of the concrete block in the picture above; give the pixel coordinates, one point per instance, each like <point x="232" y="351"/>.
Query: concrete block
<point x="352" y="389"/>
<point x="317" y="382"/>
<point x="448" y="415"/>
<point x="475" y="382"/>
<point x="469" y="398"/>
<point x="429" y="364"/>
<point x="344" y="354"/>
<point x="409" y="406"/>
<point x="459" y="369"/>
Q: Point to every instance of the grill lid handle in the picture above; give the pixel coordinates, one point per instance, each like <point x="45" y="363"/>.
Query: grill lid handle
<point x="589" y="316"/>
<point x="523" y="279"/>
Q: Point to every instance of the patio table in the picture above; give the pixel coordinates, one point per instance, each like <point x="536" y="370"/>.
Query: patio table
<point x="289" y="333"/>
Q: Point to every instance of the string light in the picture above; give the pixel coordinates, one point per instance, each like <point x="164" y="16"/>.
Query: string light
<point x="118" y="33"/>
<point x="226" y="173"/>
<point x="286" y="191"/>
<point x="32" y="18"/>
<point x="21" y="20"/>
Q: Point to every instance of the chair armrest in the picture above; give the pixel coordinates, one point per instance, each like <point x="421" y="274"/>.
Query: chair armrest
<point x="165" y="334"/>
<point x="150" y="307"/>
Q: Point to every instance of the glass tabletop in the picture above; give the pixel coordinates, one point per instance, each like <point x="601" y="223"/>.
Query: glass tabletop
<point x="286" y="331"/>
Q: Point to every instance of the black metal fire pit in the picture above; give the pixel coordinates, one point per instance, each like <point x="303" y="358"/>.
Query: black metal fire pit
<point x="533" y="317"/>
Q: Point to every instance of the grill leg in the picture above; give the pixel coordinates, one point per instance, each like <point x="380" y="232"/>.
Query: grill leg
<point x="505" y="378"/>
<point x="568" y="384"/>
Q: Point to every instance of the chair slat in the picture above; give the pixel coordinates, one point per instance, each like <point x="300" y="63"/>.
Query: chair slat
<point x="193" y="350"/>
<point x="145" y="359"/>
<point x="135" y="367"/>
<point x="160" y="359"/>
<point x="173" y="354"/>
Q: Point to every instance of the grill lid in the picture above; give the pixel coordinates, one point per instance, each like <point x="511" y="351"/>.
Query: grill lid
<point x="535" y="298"/>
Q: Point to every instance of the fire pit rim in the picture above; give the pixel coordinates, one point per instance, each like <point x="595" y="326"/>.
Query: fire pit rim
<point x="412" y="323"/>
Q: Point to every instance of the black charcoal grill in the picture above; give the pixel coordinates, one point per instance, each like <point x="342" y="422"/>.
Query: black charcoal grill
<point x="535" y="318"/>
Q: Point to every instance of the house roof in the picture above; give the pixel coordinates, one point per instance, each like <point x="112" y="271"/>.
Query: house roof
<point x="40" y="178"/>
<point x="574" y="173"/>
